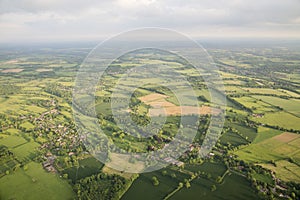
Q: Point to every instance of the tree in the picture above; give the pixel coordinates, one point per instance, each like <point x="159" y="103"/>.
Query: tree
<point x="25" y="167"/>
<point x="219" y="179"/>
<point x="180" y="185"/>
<point x="173" y="175"/>
<point x="213" y="188"/>
<point x="65" y="176"/>
<point x="187" y="184"/>
<point x="155" y="181"/>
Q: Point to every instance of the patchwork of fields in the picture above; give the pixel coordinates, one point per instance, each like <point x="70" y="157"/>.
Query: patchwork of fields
<point x="42" y="151"/>
<point x="281" y="153"/>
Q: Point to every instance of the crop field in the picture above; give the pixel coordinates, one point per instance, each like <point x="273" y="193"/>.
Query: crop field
<point x="17" y="70"/>
<point x="157" y="101"/>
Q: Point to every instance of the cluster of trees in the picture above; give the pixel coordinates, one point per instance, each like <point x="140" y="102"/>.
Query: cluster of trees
<point x="59" y="90"/>
<point x="100" y="186"/>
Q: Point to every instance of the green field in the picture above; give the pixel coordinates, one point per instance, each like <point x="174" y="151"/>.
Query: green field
<point x="278" y="148"/>
<point x="87" y="167"/>
<point x="255" y="105"/>
<point x="289" y="105"/>
<point x="256" y="156"/>
<point x="265" y="91"/>
<point x="233" y="139"/>
<point x="12" y="141"/>
<point x="280" y="119"/>
<point x="234" y="187"/>
<point x="264" y="133"/>
<point x="143" y="188"/>
<point x="35" y="184"/>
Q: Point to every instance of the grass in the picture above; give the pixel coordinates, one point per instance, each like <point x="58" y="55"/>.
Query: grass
<point x="12" y="131"/>
<point x="34" y="184"/>
<point x="87" y="167"/>
<point x="143" y="188"/>
<point x="279" y="148"/>
<point x="233" y="139"/>
<point x="246" y="132"/>
<point x="12" y="141"/>
<point x="285" y="170"/>
<point x="272" y="148"/>
<point x="108" y="170"/>
<point x="264" y="133"/>
<point x="27" y="126"/>
<point x="35" y="109"/>
<point x="289" y="105"/>
<point x="255" y="105"/>
<point x="233" y="187"/>
<point x="266" y="178"/>
<point x="233" y="89"/>
<point x="281" y="119"/>
<point x="25" y="151"/>
<point x="213" y="168"/>
<point x="264" y="91"/>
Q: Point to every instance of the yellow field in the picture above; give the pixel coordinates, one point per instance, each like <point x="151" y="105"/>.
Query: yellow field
<point x="158" y="101"/>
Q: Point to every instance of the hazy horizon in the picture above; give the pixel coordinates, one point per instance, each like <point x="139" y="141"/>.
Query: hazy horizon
<point x="56" y="21"/>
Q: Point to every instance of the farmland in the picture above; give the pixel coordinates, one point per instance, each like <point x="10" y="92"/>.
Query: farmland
<point x="257" y="155"/>
<point x="34" y="183"/>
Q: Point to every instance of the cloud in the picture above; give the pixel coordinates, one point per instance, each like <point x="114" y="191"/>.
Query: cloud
<point x="63" y="19"/>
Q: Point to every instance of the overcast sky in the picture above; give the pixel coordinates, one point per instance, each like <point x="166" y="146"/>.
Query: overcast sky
<point x="51" y="20"/>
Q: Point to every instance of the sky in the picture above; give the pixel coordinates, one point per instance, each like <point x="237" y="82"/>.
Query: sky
<point x="71" y="20"/>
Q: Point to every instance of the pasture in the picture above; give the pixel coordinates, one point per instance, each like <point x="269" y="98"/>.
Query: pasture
<point x="279" y="148"/>
<point x="87" y="167"/>
<point x="143" y="188"/>
<point x="264" y="91"/>
<point x="281" y="119"/>
<point x="289" y="105"/>
<point x="233" y="139"/>
<point x="233" y="187"/>
<point x="255" y="105"/>
<point x="34" y="183"/>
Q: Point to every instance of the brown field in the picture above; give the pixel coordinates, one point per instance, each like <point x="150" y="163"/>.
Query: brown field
<point x="286" y="137"/>
<point x="160" y="106"/>
<point x="285" y="170"/>
<point x="11" y="61"/>
<point x="44" y="70"/>
<point x="152" y="97"/>
<point x="12" y="70"/>
<point x="108" y="170"/>
<point x="182" y="110"/>
<point x="295" y="143"/>
<point x="121" y="161"/>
